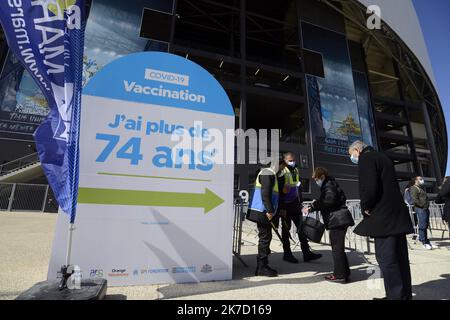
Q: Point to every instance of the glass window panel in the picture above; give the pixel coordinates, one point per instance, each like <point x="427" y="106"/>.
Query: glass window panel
<point x="156" y="25"/>
<point x="272" y="33"/>
<point x="220" y="69"/>
<point x="207" y="26"/>
<point x="272" y="43"/>
<point x="235" y="99"/>
<point x="260" y="77"/>
<point x="265" y="112"/>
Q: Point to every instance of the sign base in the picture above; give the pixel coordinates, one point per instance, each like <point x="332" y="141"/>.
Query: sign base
<point x="91" y="289"/>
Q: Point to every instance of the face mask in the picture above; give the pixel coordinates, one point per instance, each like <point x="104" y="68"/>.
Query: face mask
<point x="354" y="159"/>
<point x="421" y="182"/>
<point x="291" y="163"/>
<point x="319" y="183"/>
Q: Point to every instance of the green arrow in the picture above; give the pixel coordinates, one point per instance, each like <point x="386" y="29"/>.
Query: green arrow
<point x="207" y="200"/>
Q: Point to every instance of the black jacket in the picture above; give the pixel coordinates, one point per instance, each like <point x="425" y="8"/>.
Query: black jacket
<point x="444" y="195"/>
<point x="267" y="183"/>
<point x="332" y="198"/>
<point x="380" y="194"/>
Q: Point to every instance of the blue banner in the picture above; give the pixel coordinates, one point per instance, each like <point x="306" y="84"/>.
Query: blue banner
<point x="47" y="36"/>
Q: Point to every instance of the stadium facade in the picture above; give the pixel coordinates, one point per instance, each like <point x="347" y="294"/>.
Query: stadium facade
<point x="311" y="68"/>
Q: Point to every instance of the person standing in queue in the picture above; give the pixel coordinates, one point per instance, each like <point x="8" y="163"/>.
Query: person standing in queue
<point x="421" y="208"/>
<point x="332" y="204"/>
<point x="263" y="208"/>
<point x="409" y="202"/>
<point x="290" y="210"/>
<point x="385" y="218"/>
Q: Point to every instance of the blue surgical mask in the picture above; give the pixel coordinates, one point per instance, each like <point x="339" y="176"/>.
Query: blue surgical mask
<point x="319" y="183"/>
<point x="354" y="159"/>
<point x="291" y="163"/>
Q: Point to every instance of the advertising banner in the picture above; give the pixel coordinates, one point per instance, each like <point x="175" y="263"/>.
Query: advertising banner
<point x="155" y="200"/>
<point x="339" y="104"/>
<point x="47" y="37"/>
<point x="22" y="104"/>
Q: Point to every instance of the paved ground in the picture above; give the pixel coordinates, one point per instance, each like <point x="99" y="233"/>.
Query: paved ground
<point x="26" y="238"/>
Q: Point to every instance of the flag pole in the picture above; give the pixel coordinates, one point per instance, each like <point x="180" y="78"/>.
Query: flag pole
<point x="69" y="243"/>
<point x="64" y="274"/>
<point x="61" y="168"/>
<point x="73" y="148"/>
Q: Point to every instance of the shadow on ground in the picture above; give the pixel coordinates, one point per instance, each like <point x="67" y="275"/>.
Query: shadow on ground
<point x="243" y="277"/>
<point x="433" y="290"/>
<point x="443" y="243"/>
<point x="115" y="297"/>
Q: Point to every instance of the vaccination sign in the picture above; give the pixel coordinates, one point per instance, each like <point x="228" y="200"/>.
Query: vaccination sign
<point x="155" y="200"/>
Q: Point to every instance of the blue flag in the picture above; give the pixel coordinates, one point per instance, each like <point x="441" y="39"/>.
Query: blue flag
<point x="47" y="36"/>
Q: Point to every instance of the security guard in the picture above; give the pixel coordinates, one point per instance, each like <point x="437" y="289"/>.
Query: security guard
<point x="263" y="209"/>
<point x="290" y="210"/>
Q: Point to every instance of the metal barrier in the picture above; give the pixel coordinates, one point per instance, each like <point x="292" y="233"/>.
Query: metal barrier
<point x="6" y="190"/>
<point x="413" y="216"/>
<point x="436" y="222"/>
<point x="23" y="197"/>
<point x="18" y="163"/>
<point x="240" y="209"/>
<point x="352" y="240"/>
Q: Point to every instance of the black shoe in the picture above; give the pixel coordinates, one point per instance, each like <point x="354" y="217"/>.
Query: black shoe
<point x="403" y="298"/>
<point x="310" y="256"/>
<point x="290" y="258"/>
<point x="266" y="271"/>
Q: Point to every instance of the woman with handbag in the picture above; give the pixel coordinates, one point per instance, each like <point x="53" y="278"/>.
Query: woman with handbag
<point x="337" y="218"/>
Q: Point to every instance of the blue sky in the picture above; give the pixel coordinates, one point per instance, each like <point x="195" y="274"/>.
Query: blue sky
<point x="434" y="16"/>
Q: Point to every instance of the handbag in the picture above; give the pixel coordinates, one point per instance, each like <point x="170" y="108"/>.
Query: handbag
<point x="340" y="218"/>
<point x="312" y="229"/>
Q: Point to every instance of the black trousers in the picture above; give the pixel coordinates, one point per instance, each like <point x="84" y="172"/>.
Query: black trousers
<point x="265" y="236"/>
<point x="340" y="261"/>
<point x="392" y="256"/>
<point x="293" y="215"/>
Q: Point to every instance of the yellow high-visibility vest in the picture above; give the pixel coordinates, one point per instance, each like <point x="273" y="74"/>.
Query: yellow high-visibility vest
<point x="257" y="203"/>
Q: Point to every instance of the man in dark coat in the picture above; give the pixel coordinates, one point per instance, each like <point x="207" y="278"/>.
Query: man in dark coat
<point x="385" y="218"/>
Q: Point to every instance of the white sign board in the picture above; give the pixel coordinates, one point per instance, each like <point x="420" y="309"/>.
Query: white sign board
<point x="155" y="201"/>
